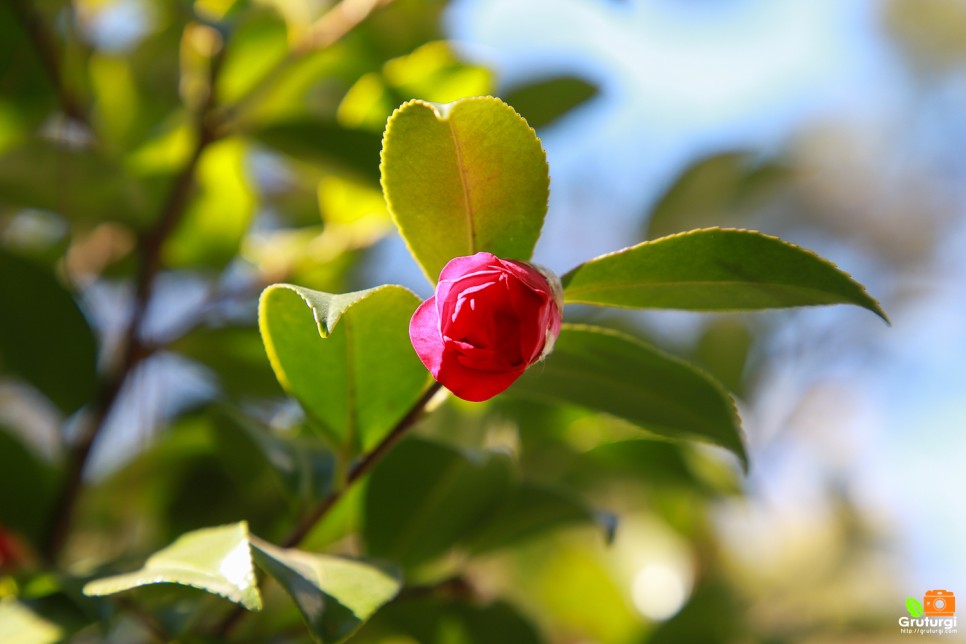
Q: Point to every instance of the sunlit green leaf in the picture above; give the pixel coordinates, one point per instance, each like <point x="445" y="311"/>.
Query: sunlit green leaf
<point x="218" y="217"/>
<point x="618" y="374"/>
<point x="546" y="100"/>
<point x="464" y="177"/>
<point x="44" y="336"/>
<point x="346" y="358"/>
<point x="425" y="496"/>
<point x="433" y="72"/>
<point x="713" y="270"/>
<point x="335" y="595"/>
<point x="20" y="624"/>
<point x="216" y="560"/>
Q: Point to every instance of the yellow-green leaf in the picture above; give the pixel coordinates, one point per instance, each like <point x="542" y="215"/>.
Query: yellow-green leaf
<point x="216" y="560"/>
<point x="346" y="358"/>
<point x="335" y="595"/>
<point x="464" y="177"/>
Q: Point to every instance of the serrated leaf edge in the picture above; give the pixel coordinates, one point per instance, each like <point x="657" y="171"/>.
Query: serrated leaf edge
<point x="443" y="112"/>
<point x="873" y="304"/>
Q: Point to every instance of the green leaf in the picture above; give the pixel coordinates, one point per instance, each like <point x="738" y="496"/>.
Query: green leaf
<point x="362" y="375"/>
<point x="660" y="465"/>
<point x="20" y="624"/>
<point x="219" y="215"/>
<point x="236" y="357"/>
<point x="545" y="101"/>
<point x="323" y="143"/>
<point x="425" y="496"/>
<point x="33" y="479"/>
<point x="723" y="189"/>
<point x="443" y="620"/>
<point x="44" y="336"/>
<point x="464" y="177"/>
<point x="713" y="269"/>
<point x="75" y="182"/>
<point x="620" y="375"/>
<point x="532" y="509"/>
<point x="335" y="595"/>
<point x="914" y="607"/>
<point x="302" y="468"/>
<point x="216" y="560"/>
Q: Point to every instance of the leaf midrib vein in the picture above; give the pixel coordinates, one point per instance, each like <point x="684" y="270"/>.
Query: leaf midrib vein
<point x="464" y="181"/>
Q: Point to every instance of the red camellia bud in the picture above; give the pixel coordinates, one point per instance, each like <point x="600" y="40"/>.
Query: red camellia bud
<point x="489" y="320"/>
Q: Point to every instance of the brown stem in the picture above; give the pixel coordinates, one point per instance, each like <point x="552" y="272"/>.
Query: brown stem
<point x="356" y="472"/>
<point x="46" y="47"/>
<point x="360" y="469"/>
<point x="135" y="349"/>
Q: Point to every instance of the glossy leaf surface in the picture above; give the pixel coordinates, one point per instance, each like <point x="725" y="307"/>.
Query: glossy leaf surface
<point x="620" y="375"/>
<point x="713" y="269"/>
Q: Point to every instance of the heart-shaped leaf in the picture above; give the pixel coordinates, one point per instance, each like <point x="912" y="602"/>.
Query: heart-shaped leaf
<point x="346" y="358"/>
<point x="216" y="560"/>
<point x="334" y="594"/>
<point x="464" y="177"/>
<point x="713" y="269"/>
<point x="618" y="374"/>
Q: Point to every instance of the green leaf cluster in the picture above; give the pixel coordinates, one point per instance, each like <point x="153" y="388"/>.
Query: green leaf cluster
<point x="255" y="149"/>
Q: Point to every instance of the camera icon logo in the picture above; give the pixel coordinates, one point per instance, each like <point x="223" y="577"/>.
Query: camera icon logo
<point x="939" y="603"/>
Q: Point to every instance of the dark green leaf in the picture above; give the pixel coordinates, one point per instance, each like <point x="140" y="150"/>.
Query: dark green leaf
<point x="21" y="470"/>
<point x="530" y="510"/>
<point x="425" y="496"/>
<point x="543" y="102"/>
<point x="326" y="144"/>
<point x="719" y="190"/>
<point x="216" y="560"/>
<point x="618" y="374"/>
<point x="447" y="621"/>
<point x="335" y="595"/>
<point x="464" y="177"/>
<point x="723" y="350"/>
<point x="713" y="270"/>
<point x="77" y="183"/>
<point x="44" y="336"/>
<point x="303" y="469"/>
<point x="657" y="464"/>
<point x="362" y="375"/>
<point x="235" y="355"/>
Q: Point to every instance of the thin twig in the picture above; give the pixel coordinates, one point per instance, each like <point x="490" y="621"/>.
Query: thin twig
<point x="135" y="349"/>
<point x="356" y="472"/>
<point x="46" y="47"/>
<point x="360" y="469"/>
